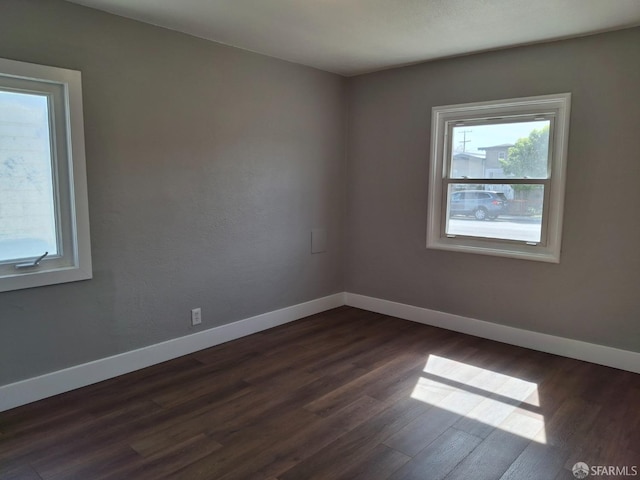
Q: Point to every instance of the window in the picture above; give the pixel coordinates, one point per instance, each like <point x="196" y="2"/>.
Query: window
<point x="508" y="204"/>
<point x="44" y="218"/>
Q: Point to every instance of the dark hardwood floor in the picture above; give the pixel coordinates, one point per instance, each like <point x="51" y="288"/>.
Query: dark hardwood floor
<point x="346" y="394"/>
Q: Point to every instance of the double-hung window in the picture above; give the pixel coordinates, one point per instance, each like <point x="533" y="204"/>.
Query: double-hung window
<point x="497" y="177"/>
<point x="44" y="219"/>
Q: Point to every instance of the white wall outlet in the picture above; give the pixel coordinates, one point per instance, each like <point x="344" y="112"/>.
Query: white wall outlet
<point x="196" y="316"/>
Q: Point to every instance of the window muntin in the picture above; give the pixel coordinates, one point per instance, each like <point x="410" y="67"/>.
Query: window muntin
<point x="513" y="148"/>
<point x="43" y="195"/>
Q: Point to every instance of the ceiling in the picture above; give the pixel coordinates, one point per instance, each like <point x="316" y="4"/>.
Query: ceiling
<point x="350" y="37"/>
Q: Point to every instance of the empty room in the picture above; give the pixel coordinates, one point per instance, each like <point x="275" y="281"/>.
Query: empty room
<point x="279" y="240"/>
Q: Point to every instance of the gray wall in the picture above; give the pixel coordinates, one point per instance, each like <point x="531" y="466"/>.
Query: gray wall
<point x="593" y="294"/>
<point x="208" y="167"/>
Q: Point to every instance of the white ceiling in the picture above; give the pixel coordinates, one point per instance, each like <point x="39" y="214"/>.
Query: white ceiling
<point x="357" y="36"/>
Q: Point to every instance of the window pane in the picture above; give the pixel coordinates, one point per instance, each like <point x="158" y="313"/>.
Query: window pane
<point x="501" y="150"/>
<point x="27" y="209"/>
<point x="509" y="212"/>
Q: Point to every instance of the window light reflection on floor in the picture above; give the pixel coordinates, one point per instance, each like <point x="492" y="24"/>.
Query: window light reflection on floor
<point x="497" y="400"/>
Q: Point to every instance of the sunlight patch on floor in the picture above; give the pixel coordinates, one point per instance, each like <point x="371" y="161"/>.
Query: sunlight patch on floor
<point x="501" y="401"/>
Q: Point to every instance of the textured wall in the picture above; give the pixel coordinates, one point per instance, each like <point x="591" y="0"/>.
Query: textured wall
<point x="593" y="293"/>
<point x="207" y="166"/>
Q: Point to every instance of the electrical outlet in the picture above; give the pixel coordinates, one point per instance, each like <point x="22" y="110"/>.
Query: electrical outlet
<point x="196" y="316"/>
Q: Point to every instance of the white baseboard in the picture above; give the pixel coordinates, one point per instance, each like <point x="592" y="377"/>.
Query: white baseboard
<point x="37" y="388"/>
<point x="590" y="352"/>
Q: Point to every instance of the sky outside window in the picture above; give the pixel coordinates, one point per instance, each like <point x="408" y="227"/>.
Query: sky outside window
<point x="479" y="136"/>
<point x="27" y="209"/>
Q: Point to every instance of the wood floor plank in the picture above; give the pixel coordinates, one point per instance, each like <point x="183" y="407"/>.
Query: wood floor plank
<point x="379" y="464"/>
<point x="99" y="432"/>
<point x="107" y="397"/>
<point x="167" y="460"/>
<point x="493" y="410"/>
<point x="422" y="432"/>
<point x="287" y="452"/>
<point x="95" y="463"/>
<point x="26" y="443"/>
<point x="244" y="445"/>
<point x="453" y="391"/>
<point x="341" y="396"/>
<point x="273" y="446"/>
<point x="570" y="422"/>
<point x="21" y="472"/>
<point x="352" y="448"/>
<point x="537" y="461"/>
<point x="491" y="459"/>
<point x="439" y="458"/>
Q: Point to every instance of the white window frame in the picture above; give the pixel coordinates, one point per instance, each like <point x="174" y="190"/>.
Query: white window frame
<point x="63" y="87"/>
<point x="556" y="108"/>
